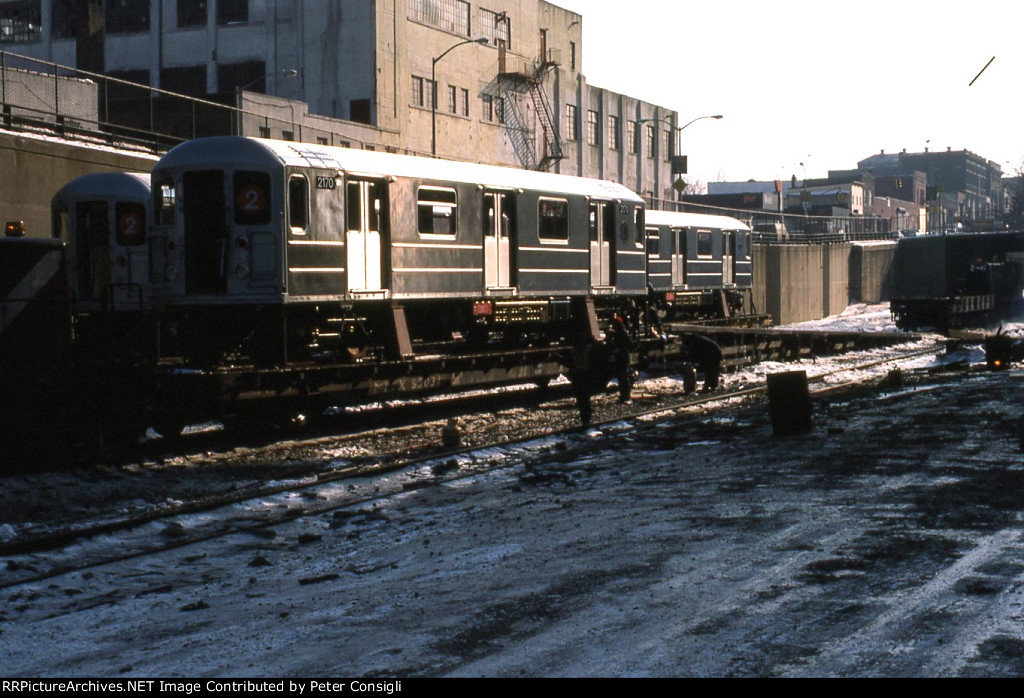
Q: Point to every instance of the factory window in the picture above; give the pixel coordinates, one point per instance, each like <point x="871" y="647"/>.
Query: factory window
<point x="64" y="19"/>
<point x="666" y="145"/>
<point x="496" y="26"/>
<point x="449" y="15"/>
<point x="133" y="87"/>
<point x="191" y="13"/>
<point x="553" y="220"/>
<point x="488" y="108"/>
<point x="499" y="109"/>
<point x="453" y="105"/>
<point x="613" y="132"/>
<point x="572" y="55"/>
<point x="572" y="123"/>
<point x="127" y="16"/>
<point x="650" y="141"/>
<point x="464" y="97"/>
<point x="20" y="22"/>
<point x="632" y="142"/>
<point x="249" y="75"/>
<point x="359" y="110"/>
<point x="232" y="12"/>
<point x="593" y="136"/>
<point x="419" y="92"/>
<point x="438" y="211"/>
<point x="187" y="80"/>
<point x="252" y="198"/>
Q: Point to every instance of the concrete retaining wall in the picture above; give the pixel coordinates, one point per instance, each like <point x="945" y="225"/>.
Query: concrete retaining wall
<point x="32" y="169"/>
<point x="871" y="265"/>
<point x="796" y="283"/>
<point x="835" y="271"/>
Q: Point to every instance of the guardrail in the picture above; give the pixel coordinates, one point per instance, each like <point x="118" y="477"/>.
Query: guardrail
<point x="781" y="228"/>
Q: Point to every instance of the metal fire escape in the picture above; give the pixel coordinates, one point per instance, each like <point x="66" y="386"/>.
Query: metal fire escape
<point x="523" y="78"/>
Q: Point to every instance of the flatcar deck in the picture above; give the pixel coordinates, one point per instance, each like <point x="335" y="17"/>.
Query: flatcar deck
<point x="744" y="346"/>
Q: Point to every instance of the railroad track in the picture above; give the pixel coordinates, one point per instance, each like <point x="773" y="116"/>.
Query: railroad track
<point x="349" y="488"/>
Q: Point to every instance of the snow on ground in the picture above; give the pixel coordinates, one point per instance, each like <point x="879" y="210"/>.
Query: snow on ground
<point x="860" y="317"/>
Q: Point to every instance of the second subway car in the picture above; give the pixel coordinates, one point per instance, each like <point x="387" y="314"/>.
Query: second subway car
<point x="274" y="252"/>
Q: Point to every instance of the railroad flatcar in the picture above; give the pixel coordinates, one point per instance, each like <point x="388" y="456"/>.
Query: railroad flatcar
<point x="699" y="266"/>
<point x="960" y="280"/>
<point x="276" y="252"/>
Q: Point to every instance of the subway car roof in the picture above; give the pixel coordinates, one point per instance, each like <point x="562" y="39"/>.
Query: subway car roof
<point x="240" y="152"/>
<point x="681" y="219"/>
<point x="129" y="185"/>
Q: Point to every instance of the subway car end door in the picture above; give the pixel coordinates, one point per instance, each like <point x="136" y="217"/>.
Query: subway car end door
<point x="206" y="230"/>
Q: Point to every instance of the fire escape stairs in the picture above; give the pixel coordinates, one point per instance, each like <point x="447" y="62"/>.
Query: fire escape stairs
<point x="531" y="82"/>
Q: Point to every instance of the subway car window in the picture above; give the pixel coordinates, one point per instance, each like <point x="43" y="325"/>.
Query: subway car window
<point x="742" y="245"/>
<point x="376" y="211"/>
<point x="704" y="246"/>
<point x="638" y="225"/>
<point x="298" y="204"/>
<point x="164" y="201"/>
<point x="553" y="220"/>
<point x="437" y="211"/>
<point x="131" y="223"/>
<point x="62" y="223"/>
<point x="252" y="198"/>
<point x="653" y="243"/>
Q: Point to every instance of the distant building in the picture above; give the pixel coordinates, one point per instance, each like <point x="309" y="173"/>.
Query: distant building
<point x="499" y="82"/>
<point x="962" y="188"/>
<point x="753" y="201"/>
<point x="817" y="196"/>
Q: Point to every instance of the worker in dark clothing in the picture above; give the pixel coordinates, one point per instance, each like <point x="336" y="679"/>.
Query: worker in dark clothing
<point x="621" y="345"/>
<point x="582" y="371"/>
<point x="706" y="353"/>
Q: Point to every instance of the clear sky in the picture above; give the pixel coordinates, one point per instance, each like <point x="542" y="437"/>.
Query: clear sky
<point x="824" y="84"/>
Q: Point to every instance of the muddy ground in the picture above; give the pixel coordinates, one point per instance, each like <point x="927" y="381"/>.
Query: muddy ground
<point x="887" y="542"/>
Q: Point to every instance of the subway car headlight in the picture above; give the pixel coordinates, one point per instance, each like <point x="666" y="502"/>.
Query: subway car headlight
<point x="242" y="271"/>
<point x="172" y="273"/>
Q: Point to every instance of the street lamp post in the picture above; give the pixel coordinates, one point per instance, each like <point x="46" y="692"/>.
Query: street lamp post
<point x="433" y="88"/>
<point x="286" y="72"/>
<point x="678" y="130"/>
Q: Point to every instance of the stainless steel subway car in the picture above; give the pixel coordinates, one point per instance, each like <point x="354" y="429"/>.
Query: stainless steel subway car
<point x="104" y="218"/>
<point x="699" y="266"/>
<point x="314" y="251"/>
